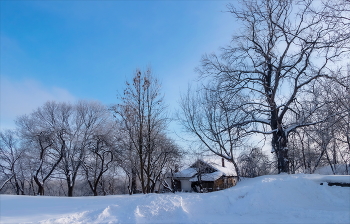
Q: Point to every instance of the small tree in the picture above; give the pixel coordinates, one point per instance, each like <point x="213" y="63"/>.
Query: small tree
<point x="254" y="163"/>
<point x="11" y="165"/>
<point x="208" y="115"/>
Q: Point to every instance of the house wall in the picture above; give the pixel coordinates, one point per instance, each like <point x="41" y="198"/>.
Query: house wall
<point x="160" y="188"/>
<point x="208" y="186"/>
<point x="225" y="182"/>
<point x="186" y="185"/>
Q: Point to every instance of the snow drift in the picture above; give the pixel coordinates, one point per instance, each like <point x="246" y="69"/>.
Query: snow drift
<point x="267" y="199"/>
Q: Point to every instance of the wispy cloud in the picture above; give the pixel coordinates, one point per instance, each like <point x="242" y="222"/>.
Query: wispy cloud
<point x="22" y="97"/>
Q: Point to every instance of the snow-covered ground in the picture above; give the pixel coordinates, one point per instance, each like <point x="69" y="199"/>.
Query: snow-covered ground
<point x="340" y="169"/>
<point x="267" y="199"/>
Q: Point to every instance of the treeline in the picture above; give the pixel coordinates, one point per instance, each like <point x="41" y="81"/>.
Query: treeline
<point x="87" y="148"/>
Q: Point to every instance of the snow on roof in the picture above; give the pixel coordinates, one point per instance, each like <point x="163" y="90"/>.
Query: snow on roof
<point x="208" y="176"/>
<point x="227" y="170"/>
<point x="216" y="164"/>
<point x="189" y="172"/>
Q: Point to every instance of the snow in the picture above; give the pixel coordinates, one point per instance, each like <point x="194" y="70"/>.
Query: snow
<point x="341" y="169"/>
<point x="330" y="178"/>
<point x="268" y="199"/>
<point x="227" y="170"/>
<point x="189" y="172"/>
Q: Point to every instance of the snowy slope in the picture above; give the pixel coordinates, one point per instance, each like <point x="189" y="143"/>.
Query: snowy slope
<point x="268" y="199"/>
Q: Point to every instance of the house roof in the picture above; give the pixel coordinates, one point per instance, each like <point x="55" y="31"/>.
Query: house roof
<point x="227" y="170"/>
<point x="215" y="164"/>
<point x="189" y="172"/>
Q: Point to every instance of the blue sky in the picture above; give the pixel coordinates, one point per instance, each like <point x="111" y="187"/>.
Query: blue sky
<point x="71" y="50"/>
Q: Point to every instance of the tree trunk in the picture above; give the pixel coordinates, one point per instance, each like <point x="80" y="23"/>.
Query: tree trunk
<point x="238" y="171"/>
<point x="279" y="143"/>
<point x="283" y="163"/>
<point x="70" y="191"/>
<point x="70" y="186"/>
<point x="133" y="180"/>
<point x="40" y="186"/>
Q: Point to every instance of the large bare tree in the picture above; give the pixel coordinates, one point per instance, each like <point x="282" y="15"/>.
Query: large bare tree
<point x="282" y="49"/>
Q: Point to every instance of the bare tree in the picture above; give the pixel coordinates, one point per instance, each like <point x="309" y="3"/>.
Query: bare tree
<point x="166" y="154"/>
<point x="141" y="114"/>
<point x="101" y="150"/>
<point x="44" y="139"/>
<point x="208" y="115"/>
<point x="323" y="143"/>
<point x="342" y="137"/>
<point x="127" y="159"/>
<point x="283" y="49"/>
<point x="54" y="143"/>
<point x="82" y="127"/>
<point x="11" y="157"/>
<point x="254" y="163"/>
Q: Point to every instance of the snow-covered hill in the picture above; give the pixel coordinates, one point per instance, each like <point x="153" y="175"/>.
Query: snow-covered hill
<point x="268" y="199"/>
